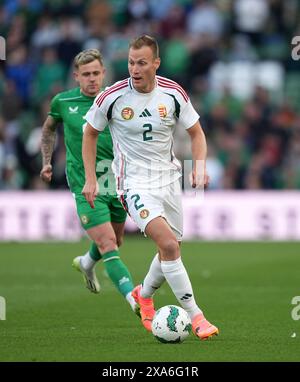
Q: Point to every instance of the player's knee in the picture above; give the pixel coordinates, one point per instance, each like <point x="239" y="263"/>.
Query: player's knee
<point x="107" y="244"/>
<point x="169" y="248"/>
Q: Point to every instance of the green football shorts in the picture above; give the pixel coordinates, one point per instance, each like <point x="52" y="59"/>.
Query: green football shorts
<point x="107" y="209"/>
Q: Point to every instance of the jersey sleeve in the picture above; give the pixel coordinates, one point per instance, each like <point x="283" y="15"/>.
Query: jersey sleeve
<point x="97" y="116"/>
<point x="55" y="109"/>
<point x="188" y="115"/>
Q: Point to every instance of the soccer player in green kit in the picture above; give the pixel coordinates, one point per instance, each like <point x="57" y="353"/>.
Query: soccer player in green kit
<point x="105" y="223"/>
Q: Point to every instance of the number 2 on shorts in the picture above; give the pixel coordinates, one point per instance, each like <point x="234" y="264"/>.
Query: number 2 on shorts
<point x="137" y="198"/>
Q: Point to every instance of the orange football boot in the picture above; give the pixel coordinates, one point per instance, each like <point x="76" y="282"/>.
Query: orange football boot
<point x="202" y="328"/>
<point x="147" y="310"/>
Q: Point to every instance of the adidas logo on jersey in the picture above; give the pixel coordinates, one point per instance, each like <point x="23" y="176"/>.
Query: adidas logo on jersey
<point x="145" y="113"/>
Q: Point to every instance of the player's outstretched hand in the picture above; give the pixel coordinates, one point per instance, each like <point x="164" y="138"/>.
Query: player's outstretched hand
<point x="90" y="191"/>
<point x="46" y="173"/>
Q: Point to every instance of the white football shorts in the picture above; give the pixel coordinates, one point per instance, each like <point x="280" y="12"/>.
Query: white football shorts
<point x="145" y="205"/>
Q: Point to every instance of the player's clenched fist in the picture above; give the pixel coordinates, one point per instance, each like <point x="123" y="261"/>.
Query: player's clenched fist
<point x="46" y="173"/>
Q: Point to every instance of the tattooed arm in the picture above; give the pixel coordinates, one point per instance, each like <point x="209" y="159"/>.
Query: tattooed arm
<point x="47" y="146"/>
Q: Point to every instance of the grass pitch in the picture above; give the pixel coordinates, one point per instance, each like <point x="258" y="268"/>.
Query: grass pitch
<point x="245" y="289"/>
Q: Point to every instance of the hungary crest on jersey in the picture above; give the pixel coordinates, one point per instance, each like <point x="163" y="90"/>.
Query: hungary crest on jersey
<point x="162" y="111"/>
<point x="127" y="113"/>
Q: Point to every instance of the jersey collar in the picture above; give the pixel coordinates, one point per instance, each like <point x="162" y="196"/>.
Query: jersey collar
<point x="139" y="93"/>
<point x="88" y="97"/>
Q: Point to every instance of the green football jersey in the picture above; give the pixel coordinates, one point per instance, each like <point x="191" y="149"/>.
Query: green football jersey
<point x="70" y="107"/>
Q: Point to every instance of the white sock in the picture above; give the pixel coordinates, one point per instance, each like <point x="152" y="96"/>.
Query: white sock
<point x="153" y="279"/>
<point x="87" y="262"/>
<point x="178" y="279"/>
<point x="131" y="301"/>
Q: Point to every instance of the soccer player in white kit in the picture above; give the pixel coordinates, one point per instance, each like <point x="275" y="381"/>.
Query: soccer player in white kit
<point x="142" y="112"/>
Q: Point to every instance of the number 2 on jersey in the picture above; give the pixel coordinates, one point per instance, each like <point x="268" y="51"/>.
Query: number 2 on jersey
<point x="149" y="129"/>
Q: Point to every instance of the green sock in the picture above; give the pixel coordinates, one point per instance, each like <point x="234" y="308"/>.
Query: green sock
<point x="94" y="252"/>
<point x="118" y="272"/>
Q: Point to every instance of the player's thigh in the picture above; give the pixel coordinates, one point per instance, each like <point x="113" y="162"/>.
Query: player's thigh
<point x="97" y="222"/>
<point x="142" y="207"/>
<point x="104" y="236"/>
<point x="118" y="218"/>
<point x="119" y="232"/>
<point x="173" y="211"/>
<point x="92" y="217"/>
<point x="160" y="231"/>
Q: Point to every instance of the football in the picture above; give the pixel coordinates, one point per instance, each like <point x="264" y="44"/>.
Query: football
<point x="171" y="324"/>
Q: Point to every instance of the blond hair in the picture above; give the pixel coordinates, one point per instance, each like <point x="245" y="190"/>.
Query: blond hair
<point x="87" y="56"/>
<point x="145" y="40"/>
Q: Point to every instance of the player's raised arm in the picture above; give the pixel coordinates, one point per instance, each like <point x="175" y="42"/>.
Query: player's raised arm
<point x="199" y="151"/>
<point x="89" y="148"/>
<point x="47" y="147"/>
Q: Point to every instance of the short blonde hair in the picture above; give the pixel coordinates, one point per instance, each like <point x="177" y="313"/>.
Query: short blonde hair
<point x="145" y="40"/>
<point x="87" y="56"/>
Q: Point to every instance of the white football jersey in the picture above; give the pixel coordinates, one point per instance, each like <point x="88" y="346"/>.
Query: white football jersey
<point x="141" y="125"/>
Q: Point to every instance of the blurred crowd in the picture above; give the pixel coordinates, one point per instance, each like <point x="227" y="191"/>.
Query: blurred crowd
<point x="232" y="56"/>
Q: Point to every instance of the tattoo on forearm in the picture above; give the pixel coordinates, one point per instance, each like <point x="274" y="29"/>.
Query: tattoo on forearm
<point x="47" y="144"/>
